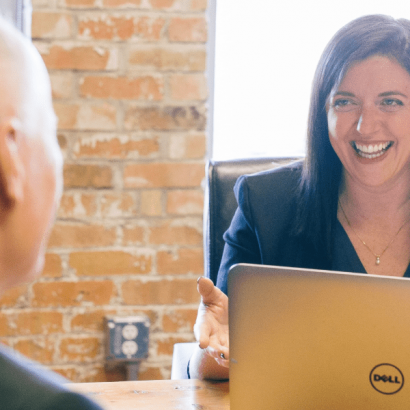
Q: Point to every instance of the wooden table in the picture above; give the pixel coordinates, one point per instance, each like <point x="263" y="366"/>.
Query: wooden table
<point x="158" y="394"/>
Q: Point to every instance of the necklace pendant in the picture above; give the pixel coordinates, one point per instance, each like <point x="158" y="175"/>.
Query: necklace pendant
<point x="377" y="260"/>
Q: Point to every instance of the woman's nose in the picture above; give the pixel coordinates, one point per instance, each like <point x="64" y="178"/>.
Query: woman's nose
<point x="368" y="122"/>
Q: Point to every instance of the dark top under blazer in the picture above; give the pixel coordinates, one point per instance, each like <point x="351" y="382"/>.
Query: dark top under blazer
<point x="260" y="229"/>
<point x="25" y="385"/>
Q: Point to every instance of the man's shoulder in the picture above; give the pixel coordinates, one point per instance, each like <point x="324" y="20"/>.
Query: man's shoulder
<point x="13" y="363"/>
<point x="24" y="382"/>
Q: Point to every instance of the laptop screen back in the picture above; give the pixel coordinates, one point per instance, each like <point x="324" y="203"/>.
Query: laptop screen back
<point x="305" y="339"/>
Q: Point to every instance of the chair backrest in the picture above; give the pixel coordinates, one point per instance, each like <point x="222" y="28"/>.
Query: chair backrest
<point x="220" y="203"/>
<point x="180" y="358"/>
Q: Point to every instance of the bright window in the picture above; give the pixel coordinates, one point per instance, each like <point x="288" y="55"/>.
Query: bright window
<point x="265" y="57"/>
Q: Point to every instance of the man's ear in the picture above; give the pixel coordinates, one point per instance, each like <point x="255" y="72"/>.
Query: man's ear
<point x="12" y="173"/>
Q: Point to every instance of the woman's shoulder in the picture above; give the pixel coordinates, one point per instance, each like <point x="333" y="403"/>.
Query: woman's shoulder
<point x="277" y="181"/>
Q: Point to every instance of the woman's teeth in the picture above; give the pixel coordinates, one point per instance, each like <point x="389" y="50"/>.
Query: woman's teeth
<point x="373" y="150"/>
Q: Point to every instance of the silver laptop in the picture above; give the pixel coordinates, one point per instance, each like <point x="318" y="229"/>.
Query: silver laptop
<point x="307" y="339"/>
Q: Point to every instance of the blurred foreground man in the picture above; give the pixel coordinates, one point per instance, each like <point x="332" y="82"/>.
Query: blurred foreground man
<point x="30" y="190"/>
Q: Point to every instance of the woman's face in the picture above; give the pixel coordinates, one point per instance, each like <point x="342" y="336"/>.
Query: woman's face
<point x="369" y="121"/>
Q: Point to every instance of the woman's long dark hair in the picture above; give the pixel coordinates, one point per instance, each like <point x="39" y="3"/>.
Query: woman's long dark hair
<point x="322" y="171"/>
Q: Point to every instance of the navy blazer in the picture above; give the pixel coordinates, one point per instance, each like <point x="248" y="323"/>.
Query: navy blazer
<point x="260" y="229"/>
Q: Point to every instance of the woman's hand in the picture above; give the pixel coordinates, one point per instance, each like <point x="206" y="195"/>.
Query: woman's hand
<point x="211" y="327"/>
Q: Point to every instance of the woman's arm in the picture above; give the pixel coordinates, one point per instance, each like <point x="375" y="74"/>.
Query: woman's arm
<point x="241" y="241"/>
<point x="211" y="328"/>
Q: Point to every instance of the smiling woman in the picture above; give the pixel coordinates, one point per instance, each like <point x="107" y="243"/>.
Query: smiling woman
<point x="346" y="207"/>
<point x="369" y="129"/>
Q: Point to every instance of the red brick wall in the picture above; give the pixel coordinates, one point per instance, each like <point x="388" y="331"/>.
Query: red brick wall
<point x="130" y="91"/>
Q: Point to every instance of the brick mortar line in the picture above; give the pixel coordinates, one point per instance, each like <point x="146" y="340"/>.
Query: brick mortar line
<point x="141" y="250"/>
<point x="159" y="335"/>
<point x="102" y="9"/>
<point x="125" y="310"/>
<point x="108" y="161"/>
<point x="78" y="310"/>
<point x="145" y="134"/>
<point x="120" y="279"/>
<point x="130" y="13"/>
<point x="141" y="245"/>
<point x="78" y="41"/>
<point x="134" y="103"/>
<point x="132" y="41"/>
<point x="174" y="219"/>
<point x="105" y="191"/>
<point x="115" y="219"/>
<point x="112" y="73"/>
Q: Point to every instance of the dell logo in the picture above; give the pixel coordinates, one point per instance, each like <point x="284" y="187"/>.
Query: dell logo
<point x="386" y="378"/>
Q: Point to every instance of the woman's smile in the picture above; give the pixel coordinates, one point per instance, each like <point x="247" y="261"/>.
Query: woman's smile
<point x="371" y="151"/>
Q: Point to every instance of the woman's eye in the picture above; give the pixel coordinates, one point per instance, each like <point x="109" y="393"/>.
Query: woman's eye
<point x="344" y="104"/>
<point x="391" y="104"/>
<point x="392" y="101"/>
<point x="341" y="103"/>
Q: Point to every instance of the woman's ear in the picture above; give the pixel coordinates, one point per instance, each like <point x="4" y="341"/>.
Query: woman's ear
<point x="12" y="173"/>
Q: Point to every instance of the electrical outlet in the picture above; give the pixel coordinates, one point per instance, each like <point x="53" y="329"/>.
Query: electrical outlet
<point x="126" y="338"/>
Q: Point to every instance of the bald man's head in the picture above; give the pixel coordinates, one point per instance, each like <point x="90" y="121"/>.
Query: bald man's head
<point x="25" y="83"/>
<point x="30" y="159"/>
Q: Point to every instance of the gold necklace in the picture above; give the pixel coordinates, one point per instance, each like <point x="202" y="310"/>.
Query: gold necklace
<point x="364" y="243"/>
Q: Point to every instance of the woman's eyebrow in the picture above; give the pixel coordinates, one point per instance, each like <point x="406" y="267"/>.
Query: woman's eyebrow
<point x="389" y="93"/>
<point x="385" y="94"/>
<point x="345" y="93"/>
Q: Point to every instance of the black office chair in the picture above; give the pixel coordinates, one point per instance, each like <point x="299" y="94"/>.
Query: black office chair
<point x="220" y="202"/>
<point x="219" y="207"/>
